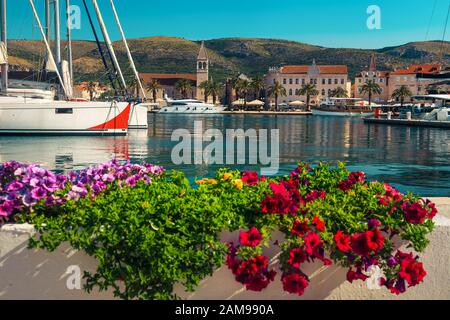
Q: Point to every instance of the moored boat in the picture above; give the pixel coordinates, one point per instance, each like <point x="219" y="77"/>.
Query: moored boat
<point x="343" y="107"/>
<point x="191" y="106"/>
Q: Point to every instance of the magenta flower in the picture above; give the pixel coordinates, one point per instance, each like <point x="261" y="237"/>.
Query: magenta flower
<point x="6" y="208"/>
<point x="38" y="193"/>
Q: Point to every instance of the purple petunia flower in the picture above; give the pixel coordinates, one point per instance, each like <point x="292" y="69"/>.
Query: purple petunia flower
<point x="38" y="193"/>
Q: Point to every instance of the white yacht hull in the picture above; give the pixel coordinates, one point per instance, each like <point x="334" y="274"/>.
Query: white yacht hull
<point x="190" y="110"/>
<point x="341" y="114"/>
<point x="19" y="116"/>
<point x="138" y="117"/>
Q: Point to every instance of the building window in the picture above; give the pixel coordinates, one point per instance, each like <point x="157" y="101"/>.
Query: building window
<point x="342" y="81"/>
<point x="381" y="80"/>
<point x="324" y="81"/>
<point x="296" y="81"/>
<point x="303" y="81"/>
<point x="336" y="81"/>
<point x="329" y="92"/>
<point x="323" y="92"/>
<point x="297" y="92"/>
<point x="290" y="92"/>
<point x="290" y="81"/>
<point x="200" y="65"/>
<point x="274" y="81"/>
<point x="204" y="65"/>
<point x="329" y="81"/>
<point x="284" y="81"/>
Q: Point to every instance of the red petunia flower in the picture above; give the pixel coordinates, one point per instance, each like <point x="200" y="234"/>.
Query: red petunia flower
<point x="250" y="178"/>
<point x="365" y="243"/>
<point x="296" y="257"/>
<point x="251" y="238"/>
<point x="295" y="283"/>
<point x="342" y="241"/>
<point x="414" y="213"/>
<point x="410" y="270"/>
<point x="320" y="224"/>
<point x="300" y="228"/>
<point x="356" y="275"/>
<point x="312" y="243"/>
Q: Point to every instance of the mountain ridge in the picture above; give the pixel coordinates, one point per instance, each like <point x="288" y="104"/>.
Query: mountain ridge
<point x="229" y="56"/>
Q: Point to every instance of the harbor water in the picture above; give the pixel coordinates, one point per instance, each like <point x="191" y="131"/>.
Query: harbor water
<point x="410" y="158"/>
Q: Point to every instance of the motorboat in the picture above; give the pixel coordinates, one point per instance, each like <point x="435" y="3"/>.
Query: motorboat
<point x="190" y="106"/>
<point x="343" y="107"/>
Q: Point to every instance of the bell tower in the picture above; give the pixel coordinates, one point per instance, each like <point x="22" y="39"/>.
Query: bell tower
<point x="202" y="70"/>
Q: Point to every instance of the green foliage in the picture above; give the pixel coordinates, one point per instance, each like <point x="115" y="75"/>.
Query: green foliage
<point x="152" y="236"/>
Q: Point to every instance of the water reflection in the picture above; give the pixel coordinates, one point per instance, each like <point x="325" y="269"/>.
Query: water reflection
<point x="413" y="159"/>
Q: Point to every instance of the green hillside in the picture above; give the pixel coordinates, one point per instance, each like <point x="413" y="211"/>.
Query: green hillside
<point x="229" y="56"/>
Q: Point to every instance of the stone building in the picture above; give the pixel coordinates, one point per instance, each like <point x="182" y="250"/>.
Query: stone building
<point x="326" y="78"/>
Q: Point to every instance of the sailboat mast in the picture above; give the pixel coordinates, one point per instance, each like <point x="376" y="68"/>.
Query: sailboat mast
<point x="109" y="44"/>
<point x="49" y="50"/>
<point x="47" y="19"/>
<point x="57" y="33"/>
<point x="69" y="39"/>
<point x="130" y="57"/>
<point x="4" y="67"/>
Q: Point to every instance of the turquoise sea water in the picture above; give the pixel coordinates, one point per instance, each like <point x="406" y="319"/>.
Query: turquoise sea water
<point x="412" y="159"/>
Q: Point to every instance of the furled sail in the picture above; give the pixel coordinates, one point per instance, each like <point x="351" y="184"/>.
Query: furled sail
<point x="3" y="53"/>
<point x="65" y="70"/>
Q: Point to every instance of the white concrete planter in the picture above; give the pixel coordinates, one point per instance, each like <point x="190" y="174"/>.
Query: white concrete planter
<point x="38" y="274"/>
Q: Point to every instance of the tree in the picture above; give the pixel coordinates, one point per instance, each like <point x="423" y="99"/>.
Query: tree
<point x="370" y="88"/>
<point x="257" y="85"/>
<point x="242" y="88"/>
<point x="184" y="87"/>
<point x="339" y="92"/>
<point x="308" y="90"/>
<point x="133" y="84"/>
<point x="215" y="89"/>
<point x="402" y="93"/>
<point x="277" y="90"/>
<point x="205" y="86"/>
<point x="91" y="87"/>
<point x="153" y="86"/>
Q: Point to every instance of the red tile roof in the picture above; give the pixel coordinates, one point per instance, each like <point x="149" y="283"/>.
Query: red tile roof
<point x="329" y="69"/>
<point x="158" y="76"/>
<point x="418" y="68"/>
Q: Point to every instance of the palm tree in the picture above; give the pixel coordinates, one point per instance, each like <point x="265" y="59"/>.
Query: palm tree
<point x="242" y="88"/>
<point x="277" y="90"/>
<point x="370" y="88"/>
<point x="215" y="89"/>
<point x="153" y="86"/>
<point x="235" y="85"/>
<point x="91" y="87"/>
<point x="308" y="90"/>
<point x="257" y="85"/>
<point x="402" y="93"/>
<point x="184" y="87"/>
<point x="205" y="86"/>
<point x="339" y="92"/>
<point x="133" y="84"/>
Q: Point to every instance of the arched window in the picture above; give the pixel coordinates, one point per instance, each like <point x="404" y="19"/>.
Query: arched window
<point x="204" y="65"/>
<point x="200" y="65"/>
<point x="329" y="92"/>
<point x="323" y="92"/>
<point x="290" y="92"/>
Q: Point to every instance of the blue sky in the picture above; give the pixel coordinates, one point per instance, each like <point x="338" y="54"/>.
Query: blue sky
<point x="331" y="23"/>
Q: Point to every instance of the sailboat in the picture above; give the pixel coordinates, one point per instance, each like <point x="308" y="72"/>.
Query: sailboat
<point x="31" y="112"/>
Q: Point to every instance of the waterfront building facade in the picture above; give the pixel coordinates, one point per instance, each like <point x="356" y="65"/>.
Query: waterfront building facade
<point x="372" y="74"/>
<point x="417" y="77"/>
<point x="325" y="78"/>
